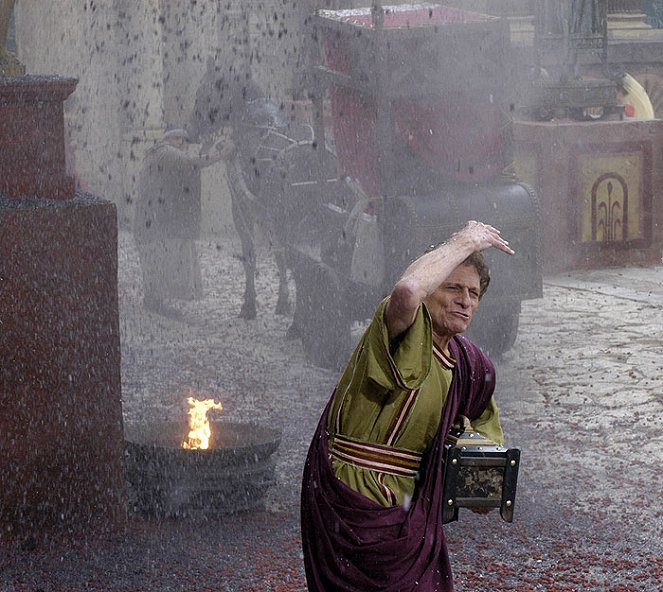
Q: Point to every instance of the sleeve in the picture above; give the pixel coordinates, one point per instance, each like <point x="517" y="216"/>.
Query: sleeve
<point x="172" y="158"/>
<point x="488" y="423"/>
<point x="410" y="363"/>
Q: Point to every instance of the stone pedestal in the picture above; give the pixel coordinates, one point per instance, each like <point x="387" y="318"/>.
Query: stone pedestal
<point x="61" y="434"/>
<point x="32" y="160"/>
<point x="599" y="184"/>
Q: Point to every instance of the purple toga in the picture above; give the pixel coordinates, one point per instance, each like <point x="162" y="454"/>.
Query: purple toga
<point x="352" y="543"/>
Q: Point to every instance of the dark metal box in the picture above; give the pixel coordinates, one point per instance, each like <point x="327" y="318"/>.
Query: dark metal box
<point x="479" y="474"/>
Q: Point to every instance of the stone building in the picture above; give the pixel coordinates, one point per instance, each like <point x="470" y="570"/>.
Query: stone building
<point x="138" y="66"/>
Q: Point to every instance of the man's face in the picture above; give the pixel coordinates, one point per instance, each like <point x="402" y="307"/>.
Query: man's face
<point x="453" y="304"/>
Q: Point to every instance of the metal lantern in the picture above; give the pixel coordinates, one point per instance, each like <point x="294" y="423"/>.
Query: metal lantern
<point x="479" y="474"/>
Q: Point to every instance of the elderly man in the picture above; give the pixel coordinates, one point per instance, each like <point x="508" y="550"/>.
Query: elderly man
<point x="371" y="495"/>
<point x="167" y="221"/>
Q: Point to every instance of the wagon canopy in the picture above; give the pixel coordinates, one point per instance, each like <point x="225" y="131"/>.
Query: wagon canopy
<point x="441" y="68"/>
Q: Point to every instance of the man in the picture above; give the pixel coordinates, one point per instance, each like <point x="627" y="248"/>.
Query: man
<point x="167" y="221"/>
<point x="371" y="495"/>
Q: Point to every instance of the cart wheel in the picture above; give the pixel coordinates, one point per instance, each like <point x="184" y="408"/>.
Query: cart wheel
<point x="496" y="334"/>
<point x="321" y="317"/>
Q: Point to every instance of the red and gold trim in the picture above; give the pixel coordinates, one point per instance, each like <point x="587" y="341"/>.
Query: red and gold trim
<point x="398" y="379"/>
<point x="400" y="417"/>
<point x="446" y="360"/>
<point x="376" y="457"/>
<point x="388" y="493"/>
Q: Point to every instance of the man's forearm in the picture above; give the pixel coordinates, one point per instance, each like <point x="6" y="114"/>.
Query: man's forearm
<point x="425" y="274"/>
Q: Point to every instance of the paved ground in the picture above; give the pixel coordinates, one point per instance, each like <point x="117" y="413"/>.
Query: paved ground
<point x="581" y="393"/>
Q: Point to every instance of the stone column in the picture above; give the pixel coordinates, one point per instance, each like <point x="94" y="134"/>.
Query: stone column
<point x="61" y="432"/>
<point x="71" y="39"/>
<point x="139" y="58"/>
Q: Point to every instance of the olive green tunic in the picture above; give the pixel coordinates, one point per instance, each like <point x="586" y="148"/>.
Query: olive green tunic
<point x="395" y="400"/>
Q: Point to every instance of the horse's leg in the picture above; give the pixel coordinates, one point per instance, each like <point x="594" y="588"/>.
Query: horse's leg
<point x="248" y="310"/>
<point x="244" y="222"/>
<point x="294" y="331"/>
<point x="283" y="302"/>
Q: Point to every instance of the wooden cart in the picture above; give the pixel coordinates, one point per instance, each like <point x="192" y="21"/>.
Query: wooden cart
<point x="418" y="100"/>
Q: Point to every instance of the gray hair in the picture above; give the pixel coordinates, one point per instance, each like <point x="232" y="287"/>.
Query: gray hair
<point x="476" y="260"/>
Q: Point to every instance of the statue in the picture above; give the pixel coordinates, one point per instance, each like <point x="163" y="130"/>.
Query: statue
<point x="565" y="32"/>
<point x="585" y="17"/>
<point x="653" y="10"/>
<point x="572" y="26"/>
<point x="574" y="17"/>
<point x="9" y="65"/>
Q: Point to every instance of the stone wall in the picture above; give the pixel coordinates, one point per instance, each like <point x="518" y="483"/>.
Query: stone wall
<point x="139" y="64"/>
<point x="71" y="39"/>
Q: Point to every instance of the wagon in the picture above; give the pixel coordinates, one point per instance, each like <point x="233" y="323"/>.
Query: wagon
<point x="413" y="101"/>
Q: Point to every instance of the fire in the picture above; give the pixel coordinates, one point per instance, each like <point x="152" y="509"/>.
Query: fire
<point x="199" y="428"/>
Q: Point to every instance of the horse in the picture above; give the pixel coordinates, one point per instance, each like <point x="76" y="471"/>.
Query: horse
<point x="274" y="177"/>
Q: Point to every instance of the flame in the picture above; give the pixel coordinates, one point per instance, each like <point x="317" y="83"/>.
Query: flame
<point x="199" y="428"/>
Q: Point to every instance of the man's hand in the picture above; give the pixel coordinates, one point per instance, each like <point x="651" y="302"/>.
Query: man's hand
<point x="482" y="236"/>
<point x="221" y="150"/>
<point x="225" y="148"/>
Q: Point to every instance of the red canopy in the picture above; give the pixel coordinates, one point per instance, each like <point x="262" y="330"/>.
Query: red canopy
<point x="458" y="134"/>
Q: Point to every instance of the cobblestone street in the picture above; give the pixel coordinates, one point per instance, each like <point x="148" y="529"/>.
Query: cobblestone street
<point x="581" y="393"/>
<point x="582" y="389"/>
<point x="340" y="138"/>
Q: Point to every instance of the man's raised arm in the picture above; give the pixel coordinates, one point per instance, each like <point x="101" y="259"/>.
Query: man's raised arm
<point x="424" y="275"/>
